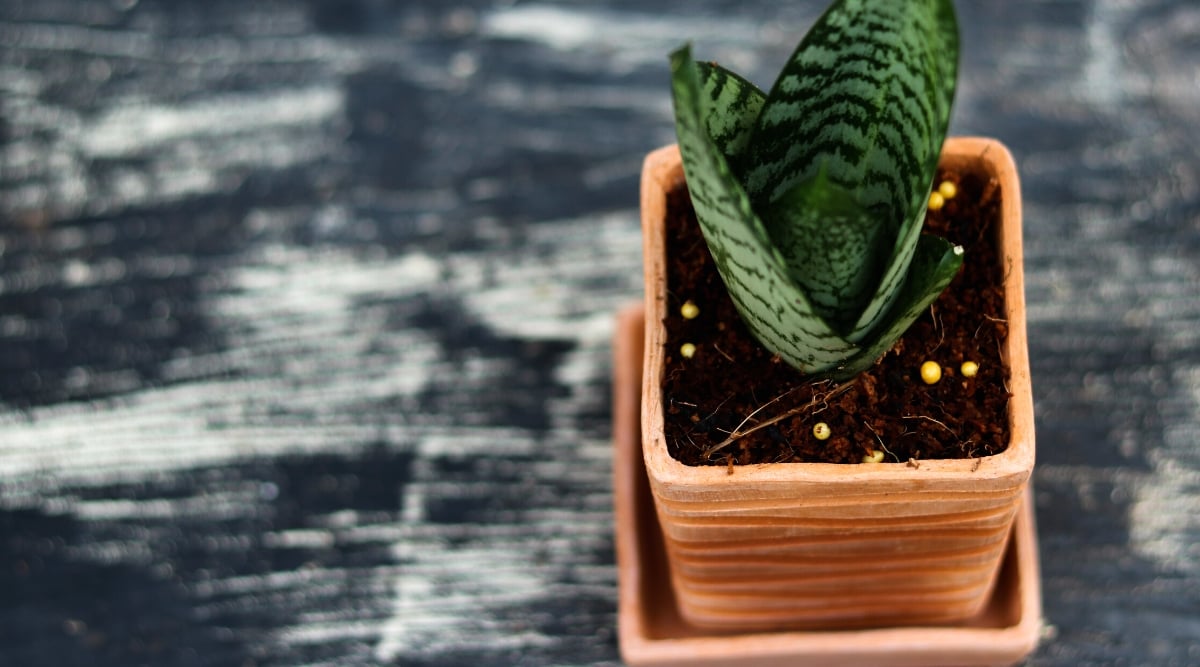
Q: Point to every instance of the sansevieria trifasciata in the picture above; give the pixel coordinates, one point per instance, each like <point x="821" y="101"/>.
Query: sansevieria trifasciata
<point x="812" y="197"/>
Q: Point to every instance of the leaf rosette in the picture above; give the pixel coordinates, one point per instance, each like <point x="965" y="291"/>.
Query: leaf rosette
<point x="812" y="198"/>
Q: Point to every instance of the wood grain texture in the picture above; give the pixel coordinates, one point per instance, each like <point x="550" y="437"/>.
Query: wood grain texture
<point x="305" y="310"/>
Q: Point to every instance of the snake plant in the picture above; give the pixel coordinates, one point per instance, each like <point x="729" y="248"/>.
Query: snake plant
<point x="812" y="198"/>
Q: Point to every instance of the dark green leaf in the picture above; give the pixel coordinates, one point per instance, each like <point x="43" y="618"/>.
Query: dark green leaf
<point x="934" y="265"/>
<point x="775" y="310"/>
<point x="812" y="198"/>
<point x="730" y="109"/>
<point x="865" y="100"/>
<point x="831" y="248"/>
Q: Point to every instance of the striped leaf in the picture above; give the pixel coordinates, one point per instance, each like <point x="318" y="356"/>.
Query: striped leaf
<point x="773" y="306"/>
<point x="731" y="106"/>
<point x="864" y="104"/>
<point x="934" y="265"/>
<point x="812" y="198"/>
<point x="831" y="245"/>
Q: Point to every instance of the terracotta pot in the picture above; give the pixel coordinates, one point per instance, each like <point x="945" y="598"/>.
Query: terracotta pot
<point x="652" y="632"/>
<point x="805" y="546"/>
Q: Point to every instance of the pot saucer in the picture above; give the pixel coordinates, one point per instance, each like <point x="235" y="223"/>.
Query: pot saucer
<point x="653" y="634"/>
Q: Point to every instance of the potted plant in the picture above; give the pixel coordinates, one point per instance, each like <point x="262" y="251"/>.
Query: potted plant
<point x="811" y="202"/>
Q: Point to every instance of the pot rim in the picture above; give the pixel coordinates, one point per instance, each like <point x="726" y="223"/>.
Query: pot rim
<point x="663" y="171"/>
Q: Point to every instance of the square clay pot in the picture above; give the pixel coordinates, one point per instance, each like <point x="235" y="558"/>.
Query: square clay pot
<point x="812" y="546"/>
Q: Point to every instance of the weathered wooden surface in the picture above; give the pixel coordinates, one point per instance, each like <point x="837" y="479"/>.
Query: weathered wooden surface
<point x="304" y="318"/>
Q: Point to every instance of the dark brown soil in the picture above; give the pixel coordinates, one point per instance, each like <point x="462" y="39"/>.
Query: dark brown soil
<point x="888" y="408"/>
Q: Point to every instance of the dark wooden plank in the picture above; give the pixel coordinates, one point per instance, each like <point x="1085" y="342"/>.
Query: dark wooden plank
<point x="304" y="317"/>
